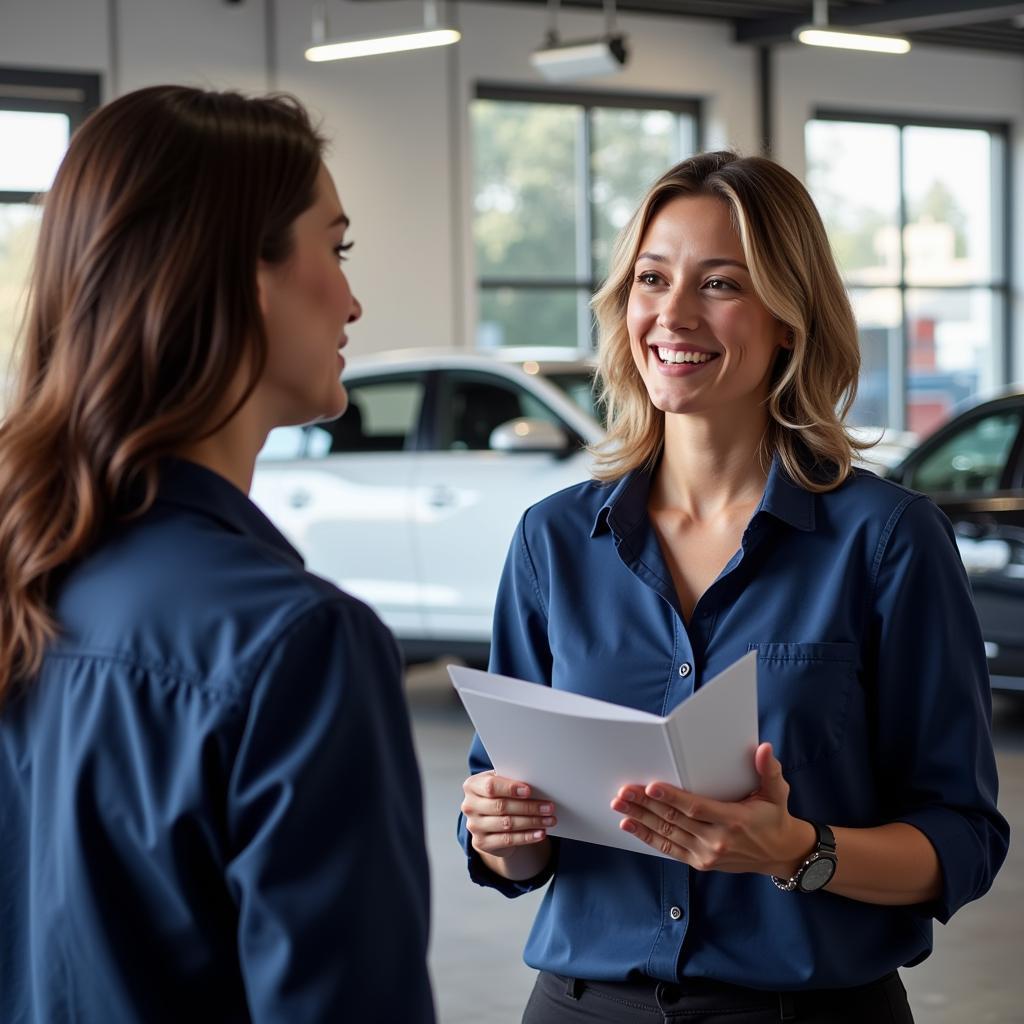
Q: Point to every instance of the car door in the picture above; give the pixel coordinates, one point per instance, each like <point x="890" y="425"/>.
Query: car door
<point x="973" y="470"/>
<point x="345" y="499"/>
<point x="469" y="497"/>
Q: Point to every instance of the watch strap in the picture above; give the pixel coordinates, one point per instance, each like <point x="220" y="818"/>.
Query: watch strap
<point x="824" y="849"/>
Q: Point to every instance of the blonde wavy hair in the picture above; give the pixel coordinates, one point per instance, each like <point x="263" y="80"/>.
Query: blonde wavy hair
<point x="813" y="384"/>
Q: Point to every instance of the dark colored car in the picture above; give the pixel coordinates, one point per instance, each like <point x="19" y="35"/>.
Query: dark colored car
<point x="973" y="468"/>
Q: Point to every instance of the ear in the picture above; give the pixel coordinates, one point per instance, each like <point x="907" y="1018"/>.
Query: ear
<point x="788" y="337"/>
<point x="264" y="286"/>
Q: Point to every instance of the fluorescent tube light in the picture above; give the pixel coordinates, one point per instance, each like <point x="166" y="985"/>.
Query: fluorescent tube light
<point x="431" y="34"/>
<point x="421" y="40"/>
<point x="852" y="40"/>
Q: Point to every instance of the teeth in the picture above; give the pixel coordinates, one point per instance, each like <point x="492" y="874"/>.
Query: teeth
<point x="668" y="355"/>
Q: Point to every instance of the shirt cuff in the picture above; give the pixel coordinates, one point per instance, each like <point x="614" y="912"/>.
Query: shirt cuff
<point x="480" y="873"/>
<point x="963" y="859"/>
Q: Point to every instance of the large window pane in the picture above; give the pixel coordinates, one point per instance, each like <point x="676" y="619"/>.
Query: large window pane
<point x="555" y="179"/>
<point x="33" y="147"/>
<point x="526" y="188"/>
<point x="528" y="316"/>
<point x="630" y="149"/>
<point x="950" y="352"/>
<point x="880" y="321"/>
<point x="901" y="212"/>
<point x="853" y="175"/>
<point x="948" y="238"/>
<point x="19" y="226"/>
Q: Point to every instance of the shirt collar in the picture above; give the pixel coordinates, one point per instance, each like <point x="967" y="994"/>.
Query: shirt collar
<point x="626" y="506"/>
<point x="189" y="485"/>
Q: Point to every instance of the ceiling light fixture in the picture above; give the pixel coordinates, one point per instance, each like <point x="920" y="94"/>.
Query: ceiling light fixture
<point x="560" y="61"/>
<point x="819" y="34"/>
<point x="430" y="35"/>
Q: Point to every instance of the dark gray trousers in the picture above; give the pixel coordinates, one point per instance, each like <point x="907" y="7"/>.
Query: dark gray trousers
<point x="558" y="1000"/>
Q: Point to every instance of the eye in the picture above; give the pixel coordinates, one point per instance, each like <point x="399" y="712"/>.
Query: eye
<point x="341" y="249"/>
<point x="718" y="284"/>
<point x="647" y="277"/>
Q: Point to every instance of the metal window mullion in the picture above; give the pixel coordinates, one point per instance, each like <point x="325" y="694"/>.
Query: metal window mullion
<point x="898" y="360"/>
<point x="584" y="222"/>
<point x="1006" y="200"/>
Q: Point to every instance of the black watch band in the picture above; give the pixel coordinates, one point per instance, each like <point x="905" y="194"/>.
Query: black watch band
<point x="818" y="868"/>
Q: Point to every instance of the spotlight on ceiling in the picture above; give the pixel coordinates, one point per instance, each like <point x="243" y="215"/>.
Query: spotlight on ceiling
<point x="820" y="34"/>
<point x="431" y="34"/>
<point x="560" y="61"/>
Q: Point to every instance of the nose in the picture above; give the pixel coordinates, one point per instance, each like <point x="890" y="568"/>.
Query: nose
<point x="678" y="311"/>
<point x="357" y="310"/>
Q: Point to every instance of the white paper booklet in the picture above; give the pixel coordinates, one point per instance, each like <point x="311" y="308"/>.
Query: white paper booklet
<point x="577" y="751"/>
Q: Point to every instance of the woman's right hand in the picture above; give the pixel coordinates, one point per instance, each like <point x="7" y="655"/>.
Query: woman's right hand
<point x="509" y="829"/>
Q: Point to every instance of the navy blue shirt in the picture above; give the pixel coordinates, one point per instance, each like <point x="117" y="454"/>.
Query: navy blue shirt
<point x="209" y="803"/>
<point x="873" y="689"/>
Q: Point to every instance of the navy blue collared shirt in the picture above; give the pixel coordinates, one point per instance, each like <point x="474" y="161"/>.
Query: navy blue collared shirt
<point x="209" y="803"/>
<point x="872" y="686"/>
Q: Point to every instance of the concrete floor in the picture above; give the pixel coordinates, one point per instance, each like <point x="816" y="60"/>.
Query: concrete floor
<point x="973" y="977"/>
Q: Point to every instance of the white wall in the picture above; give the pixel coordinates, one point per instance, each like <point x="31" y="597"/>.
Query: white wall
<point x="399" y="123"/>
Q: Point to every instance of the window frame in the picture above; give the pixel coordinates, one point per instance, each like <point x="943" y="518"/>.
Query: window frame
<point x="75" y="94"/>
<point x="588" y="100"/>
<point x="1002" y="214"/>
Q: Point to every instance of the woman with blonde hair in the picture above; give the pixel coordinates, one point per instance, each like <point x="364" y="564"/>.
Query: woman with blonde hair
<point x="209" y="802"/>
<point x="727" y="516"/>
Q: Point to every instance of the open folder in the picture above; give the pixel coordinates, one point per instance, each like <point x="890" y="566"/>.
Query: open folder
<point x="577" y="751"/>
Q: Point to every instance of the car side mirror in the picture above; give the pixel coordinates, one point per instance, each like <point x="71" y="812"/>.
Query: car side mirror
<point x="529" y="435"/>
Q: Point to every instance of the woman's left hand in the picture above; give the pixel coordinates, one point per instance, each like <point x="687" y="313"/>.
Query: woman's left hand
<point x="755" y="834"/>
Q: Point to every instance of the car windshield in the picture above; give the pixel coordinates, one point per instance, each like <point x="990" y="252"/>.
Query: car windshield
<point x="580" y="386"/>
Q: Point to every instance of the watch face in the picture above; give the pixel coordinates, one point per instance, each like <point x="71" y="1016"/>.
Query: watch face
<point x="817" y="874"/>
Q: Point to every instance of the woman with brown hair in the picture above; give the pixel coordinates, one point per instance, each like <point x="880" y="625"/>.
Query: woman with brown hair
<point x="726" y="516"/>
<point x="187" y="715"/>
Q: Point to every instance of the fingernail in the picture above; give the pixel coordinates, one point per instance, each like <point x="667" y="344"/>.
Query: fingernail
<point x="628" y="826"/>
<point x="657" y="792"/>
<point x="629" y="795"/>
<point x="522" y="790"/>
<point x="546" y="808"/>
<point x="538" y="835"/>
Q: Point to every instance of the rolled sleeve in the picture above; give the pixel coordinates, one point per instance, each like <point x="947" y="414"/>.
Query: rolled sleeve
<point x="519" y="648"/>
<point x="329" y="866"/>
<point x="938" y="769"/>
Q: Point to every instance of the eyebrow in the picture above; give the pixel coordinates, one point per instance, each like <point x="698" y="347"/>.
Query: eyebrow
<point x="714" y="261"/>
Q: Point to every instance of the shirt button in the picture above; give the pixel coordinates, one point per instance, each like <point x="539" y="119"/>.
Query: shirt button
<point x="675" y="913"/>
<point x="685" y="669"/>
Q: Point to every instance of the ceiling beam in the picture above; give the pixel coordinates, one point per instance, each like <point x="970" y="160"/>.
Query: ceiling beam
<point x="898" y="16"/>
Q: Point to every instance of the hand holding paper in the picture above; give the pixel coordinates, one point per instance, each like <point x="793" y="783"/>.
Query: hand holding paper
<point x="577" y="752"/>
<point x="755" y="834"/>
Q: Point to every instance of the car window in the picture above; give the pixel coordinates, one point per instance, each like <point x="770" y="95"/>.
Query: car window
<point x="382" y="416"/>
<point x="973" y="459"/>
<point x="283" y="443"/>
<point x="582" y="389"/>
<point x="472" y="404"/>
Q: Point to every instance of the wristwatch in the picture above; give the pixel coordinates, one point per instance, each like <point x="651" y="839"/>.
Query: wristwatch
<point x="817" y="870"/>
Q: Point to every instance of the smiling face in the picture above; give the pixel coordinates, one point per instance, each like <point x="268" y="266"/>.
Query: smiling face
<point x="701" y="338"/>
<point x="306" y="303"/>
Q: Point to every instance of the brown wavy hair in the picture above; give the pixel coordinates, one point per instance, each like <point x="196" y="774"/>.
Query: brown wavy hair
<point x="813" y="384"/>
<point x="143" y="304"/>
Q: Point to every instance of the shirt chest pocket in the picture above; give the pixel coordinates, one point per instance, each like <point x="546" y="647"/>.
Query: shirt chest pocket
<point x="804" y="695"/>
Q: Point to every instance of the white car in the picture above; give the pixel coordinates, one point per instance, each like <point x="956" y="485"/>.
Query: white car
<point x="410" y="500"/>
